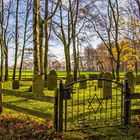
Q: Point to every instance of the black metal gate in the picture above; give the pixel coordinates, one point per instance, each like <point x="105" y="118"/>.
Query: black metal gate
<point x="89" y="104"/>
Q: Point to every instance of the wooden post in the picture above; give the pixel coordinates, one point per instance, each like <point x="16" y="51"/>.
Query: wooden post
<point x="56" y="110"/>
<point x="127" y="103"/>
<point x="0" y="97"/>
<point x="61" y="106"/>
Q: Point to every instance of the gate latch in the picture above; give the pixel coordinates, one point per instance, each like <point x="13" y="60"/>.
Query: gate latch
<point x="67" y="93"/>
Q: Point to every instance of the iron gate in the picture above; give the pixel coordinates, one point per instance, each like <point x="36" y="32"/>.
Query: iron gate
<point x="84" y="104"/>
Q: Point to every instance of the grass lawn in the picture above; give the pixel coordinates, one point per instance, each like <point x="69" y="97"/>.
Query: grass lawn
<point x="29" y="74"/>
<point x="22" y="101"/>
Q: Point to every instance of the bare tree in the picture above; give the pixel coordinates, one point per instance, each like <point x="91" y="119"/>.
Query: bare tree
<point x="28" y="8"/>
<point x="106" y="25"/>
<point x="8" y="34"/>
<point x="38" y="32"/>
<point x="2" y="38"/>
<point x="16" y="41"/>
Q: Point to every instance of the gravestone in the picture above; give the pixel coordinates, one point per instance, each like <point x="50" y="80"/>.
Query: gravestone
<point x="45" y="83"/>
<point x="1" y="86"/>
<point x="69" y="79"/>
<point x="107" y="89"/>
<point x="100" y="82"/>
<point x="30" y="89"/>
<point x="82" y="84"/>
<point x="52" y="80"/>
<point x="93" y="76"/>
<point x="15" y="84"/>
<point x="38" y="85"/>
<point x="131" y="80"/>
<point x="138" y="80"/>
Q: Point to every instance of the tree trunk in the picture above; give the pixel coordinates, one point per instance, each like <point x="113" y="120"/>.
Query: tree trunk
<point x="36" y="20"/>
<point x="67" y="59"/>
<point x="41" y="48"/>
<point x="113" y="70"/>
<point x="118" y="67"/>
<point x="24" y="42"/>
<point x="6" y="63"/>
<point x="16" y="42"/>
<point x="46" y="54"/>
<point x="46" y="45"/>
<point x="136" y="68"/>
<point x="75" y="60"/>
<point x="2" y="41"/>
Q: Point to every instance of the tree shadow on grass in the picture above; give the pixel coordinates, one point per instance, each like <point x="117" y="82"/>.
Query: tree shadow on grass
<point x="28" y="95"/>
<point x="47" y="116"/>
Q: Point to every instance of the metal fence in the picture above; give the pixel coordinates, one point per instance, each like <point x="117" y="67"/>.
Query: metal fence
<point x="91" y="103"/>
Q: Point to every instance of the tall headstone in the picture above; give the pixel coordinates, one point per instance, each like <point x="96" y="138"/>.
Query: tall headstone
<point x="38" y="85"/>
<point x="1" y="86"/>
<point x="69" y="79"/>
<point x="52" y="80"/>
<point x="137" y="80"/>
<point x="83" y="84"/>
<point x="100" y="82"/>
<point x="107" y="89"/>
<point x="15" y="84"/>
<point x="131" y="80"/>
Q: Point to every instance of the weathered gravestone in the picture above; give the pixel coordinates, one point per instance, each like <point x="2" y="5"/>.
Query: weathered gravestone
<point x="45" y="83"/>
<point x="137" y="80"/>
<point x="52" y="80"/>
<point x="30" y="89"/>
<point x="100" y="82"/>
<point x="38" y="85"/>
<point x="15" y="84"/>
<point x="1" y="86"/>
<point x="82" y="84"/>
<point x="131" y="80"/>
<point x="107" y="89"/>
<point x="69" y="79"/>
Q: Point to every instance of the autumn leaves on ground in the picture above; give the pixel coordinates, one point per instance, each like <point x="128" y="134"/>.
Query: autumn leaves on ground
<point x="13" y="127"/>
<point x="21" y="127"/>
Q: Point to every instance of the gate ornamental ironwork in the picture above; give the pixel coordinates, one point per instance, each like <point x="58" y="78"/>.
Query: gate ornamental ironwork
<point x="89" y="108"/>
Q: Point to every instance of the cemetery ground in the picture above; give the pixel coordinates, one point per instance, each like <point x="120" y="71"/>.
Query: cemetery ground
<point x="30" y="116"/>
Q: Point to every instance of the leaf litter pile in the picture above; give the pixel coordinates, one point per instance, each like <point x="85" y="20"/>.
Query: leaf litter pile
<point x="22" y="127"/>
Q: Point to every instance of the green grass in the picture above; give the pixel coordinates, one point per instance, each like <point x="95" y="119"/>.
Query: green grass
<point x="29" y="74"/>
<point x="43" y="106"/>
<point x="26" y="102"/>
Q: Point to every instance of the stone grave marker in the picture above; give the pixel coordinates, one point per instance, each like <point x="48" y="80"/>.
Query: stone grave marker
<point x="69" y="79"/>
<point x="82" y="84"/>
<point x="100" y="82"/>
<point x="52" y="80"/>
<point x="15" y="84"/>
<point x="107" y="89"/>
<point x="138" y="80"/>
<point x="38" y="85"/>
<point x="30" y="89"/>
<point x="1" y="86"/>
<point x="131" y="80"/>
